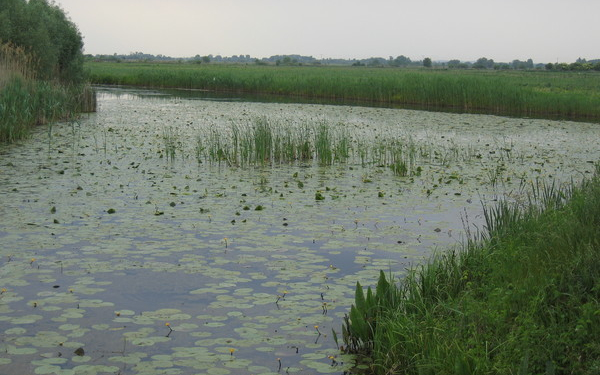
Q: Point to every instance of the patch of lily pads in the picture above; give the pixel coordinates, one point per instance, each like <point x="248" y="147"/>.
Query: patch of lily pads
<point x="124" y="253"/>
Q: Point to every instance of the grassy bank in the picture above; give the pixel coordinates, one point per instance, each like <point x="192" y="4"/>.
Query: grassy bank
<point x="523" y="93"/>
<point x="524" y="299"/>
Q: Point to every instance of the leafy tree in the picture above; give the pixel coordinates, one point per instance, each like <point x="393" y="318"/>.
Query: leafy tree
<point x="427" y="62"/>
<point x="483" y="63"/>
<point x="529" y="64"/>
<point x="43" y="29"/>
<point x="400" y="61"/>
<point x="521" y="65"/>
<point x="456" y="64"/>
<point x="375" y="61"/>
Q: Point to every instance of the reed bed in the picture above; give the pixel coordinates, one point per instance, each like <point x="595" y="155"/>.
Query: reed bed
<point x="25" y="101"/>
<point x="522" y="298"/>
<point x="15" y="60"/>
<point x="539" y="94"/>
<point x="265" y="141"/>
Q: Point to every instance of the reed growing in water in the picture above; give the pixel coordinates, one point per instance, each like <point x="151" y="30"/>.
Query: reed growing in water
<point x="26" y="101"/>
<point x="529" y="93"/>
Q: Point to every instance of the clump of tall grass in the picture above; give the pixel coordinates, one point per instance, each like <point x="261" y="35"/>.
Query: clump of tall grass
<point x="171" y="141"/>
<point x="265" y="141"/>
<point x="524" y="298"/>
<point x="14" y="60"/>
<point x="25" y="102"/>
<point x="323" y="144"/>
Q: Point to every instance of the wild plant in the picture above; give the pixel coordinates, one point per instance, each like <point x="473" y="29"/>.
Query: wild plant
<point x="397" y="163"/>
<point x="263" y="141"/>
<point x="342" y="144"/>
<point x="171" y="140"/>
<point x="323" y="144"/>
<point x="199" y="149"/>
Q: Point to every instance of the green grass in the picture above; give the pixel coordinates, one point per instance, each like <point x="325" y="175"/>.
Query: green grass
<point x="523" y="299"/>
<point x="267" y="142"/>
<point x="25" y="103"/>
<point x="529" y="93"/>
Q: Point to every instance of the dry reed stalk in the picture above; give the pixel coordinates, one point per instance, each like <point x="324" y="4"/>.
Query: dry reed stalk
<point x="14" y="60"/>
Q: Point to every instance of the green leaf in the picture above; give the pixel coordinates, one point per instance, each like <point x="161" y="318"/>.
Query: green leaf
<point x="359" y="298"/>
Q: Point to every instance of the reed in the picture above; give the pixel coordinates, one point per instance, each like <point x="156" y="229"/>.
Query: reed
<point x="171" y="142"/>
<point x="323" y="144"/>
<point x="14" y="60"/>
<point x="521" y="299"/>
<point x="539" y="93"/>
<point x="263" y="141"/>
<point x="25" y="101"/>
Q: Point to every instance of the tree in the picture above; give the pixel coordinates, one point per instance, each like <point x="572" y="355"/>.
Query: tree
<point x="206" y="59"/>
<point x="483" y="63"/>
<point x="400" y="61"/>
<point x="454" y="64"/>
<point x="427" y="62"/>
<point x="375" y="62"/>
<point x="45" y="32"/>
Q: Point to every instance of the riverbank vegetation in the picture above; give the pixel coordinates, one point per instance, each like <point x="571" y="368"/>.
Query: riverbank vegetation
<point x="519" y="93"/>
<point x="523" y="299"/>
<point x="41" y="68"/>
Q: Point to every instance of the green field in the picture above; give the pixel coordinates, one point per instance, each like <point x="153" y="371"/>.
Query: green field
<point x="543" y="94"/>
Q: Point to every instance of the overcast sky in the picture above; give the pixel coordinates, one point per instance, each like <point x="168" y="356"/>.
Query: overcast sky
<point x="503" y="30"/>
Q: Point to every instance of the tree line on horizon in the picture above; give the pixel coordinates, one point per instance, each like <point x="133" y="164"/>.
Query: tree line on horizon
<point x="399" y="61"/>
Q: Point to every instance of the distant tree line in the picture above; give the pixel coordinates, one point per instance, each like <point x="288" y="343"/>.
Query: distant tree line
<point x="43" y="30"/>
<point x="577" y="66"/>
<point x="399" y="61"/>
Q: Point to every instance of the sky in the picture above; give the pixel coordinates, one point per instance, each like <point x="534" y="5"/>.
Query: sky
<point x="502" y="30"/>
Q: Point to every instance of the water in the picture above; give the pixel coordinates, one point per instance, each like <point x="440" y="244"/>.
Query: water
<point x="159" y="266"/>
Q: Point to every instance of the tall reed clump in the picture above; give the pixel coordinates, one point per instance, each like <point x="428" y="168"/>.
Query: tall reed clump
<point x="25" y="101"/>
<point x="323" y="144"/>
<point x="264" y="141"/>
<point x="14" y="60"/>
<point x="523" y="299"/>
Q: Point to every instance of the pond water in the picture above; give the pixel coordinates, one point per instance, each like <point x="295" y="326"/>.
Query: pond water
<point x="122" y="236"/>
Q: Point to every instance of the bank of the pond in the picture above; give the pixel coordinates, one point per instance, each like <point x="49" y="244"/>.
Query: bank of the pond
<point x="523" y="300"/>
<point x="531" y="93"/>
<point x="25" y="103"/>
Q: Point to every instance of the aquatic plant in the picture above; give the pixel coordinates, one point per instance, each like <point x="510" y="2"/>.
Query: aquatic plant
<point x="270" y="283"/>
<point x="171" y="142"/>
<point x="323" y="144"/>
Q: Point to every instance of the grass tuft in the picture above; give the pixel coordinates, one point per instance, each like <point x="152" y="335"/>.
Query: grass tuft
<point x="26" y="102"/>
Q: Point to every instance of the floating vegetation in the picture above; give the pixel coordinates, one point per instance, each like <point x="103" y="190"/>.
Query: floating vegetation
<point x="245" y="239"/>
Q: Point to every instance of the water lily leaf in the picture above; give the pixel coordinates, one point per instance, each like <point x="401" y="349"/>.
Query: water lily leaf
<point x="161" y="257"/>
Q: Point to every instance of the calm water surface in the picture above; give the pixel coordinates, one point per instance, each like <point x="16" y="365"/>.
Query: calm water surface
<point x="160" y="265"/>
